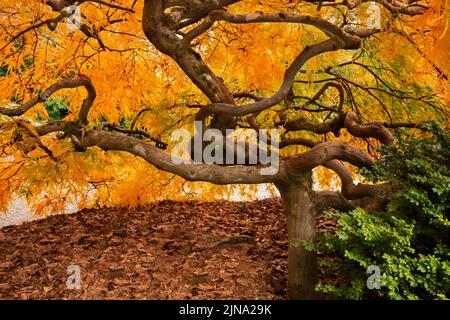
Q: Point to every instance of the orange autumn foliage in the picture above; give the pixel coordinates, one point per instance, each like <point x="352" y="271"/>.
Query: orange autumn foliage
<point x="130" y="75"/>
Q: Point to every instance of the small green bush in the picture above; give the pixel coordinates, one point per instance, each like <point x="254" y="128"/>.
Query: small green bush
<point x="409" y="242"/>
<point x="57" y="108"/>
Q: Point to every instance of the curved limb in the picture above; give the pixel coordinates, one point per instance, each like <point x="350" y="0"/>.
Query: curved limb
<point x="81" y="81"/>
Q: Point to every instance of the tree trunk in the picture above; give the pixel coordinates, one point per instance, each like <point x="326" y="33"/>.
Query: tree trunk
<point x="301" y="223"/>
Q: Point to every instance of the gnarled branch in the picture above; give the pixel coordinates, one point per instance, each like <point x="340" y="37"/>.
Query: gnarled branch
<point x="81" y="81"/>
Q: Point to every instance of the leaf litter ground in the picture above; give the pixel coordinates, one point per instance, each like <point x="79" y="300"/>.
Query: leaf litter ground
<point x="166" y="250"/>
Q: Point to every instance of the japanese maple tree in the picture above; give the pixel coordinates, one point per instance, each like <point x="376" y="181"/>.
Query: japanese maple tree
<point x="336" y="78"/>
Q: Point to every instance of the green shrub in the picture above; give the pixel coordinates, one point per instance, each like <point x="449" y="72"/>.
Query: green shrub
<point x="57" y="108"/>
<point x="409" y="242"/>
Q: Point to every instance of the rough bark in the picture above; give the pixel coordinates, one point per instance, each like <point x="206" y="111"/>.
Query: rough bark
<point x="300" y="215"/>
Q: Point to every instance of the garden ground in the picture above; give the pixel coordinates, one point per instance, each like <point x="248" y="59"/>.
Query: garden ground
<point x="166" y="250"/>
